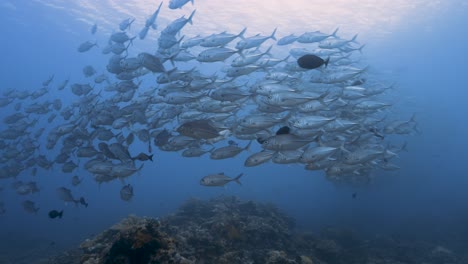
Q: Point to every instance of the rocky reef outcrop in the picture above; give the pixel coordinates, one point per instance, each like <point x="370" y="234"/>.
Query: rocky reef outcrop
<point x="226" y="230"/>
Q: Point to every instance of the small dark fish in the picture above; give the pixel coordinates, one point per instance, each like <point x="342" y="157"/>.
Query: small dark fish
<point x="83" y="202"/>
<point x="358" y="82"/>
<point x="232" y="143"/>
<point x="130" y="138"/>
<point x="54" y="214"/>
<point x="283" y="130"/>
<point x="354" y="195"/>
<point x="376" y="133"/>
<point x="143" y="157"/>
<point x="310" y="61"/>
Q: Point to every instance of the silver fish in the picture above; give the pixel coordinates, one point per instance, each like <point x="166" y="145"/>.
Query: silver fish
<point x="174" y="4"/>
<point x="259" y="158"/>
<point x="219" y="179"/>
<point x="228" y="151"/>
<point x="285" y="142"/>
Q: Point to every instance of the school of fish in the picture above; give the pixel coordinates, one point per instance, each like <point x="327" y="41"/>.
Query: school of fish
<point x="316" y="105"/>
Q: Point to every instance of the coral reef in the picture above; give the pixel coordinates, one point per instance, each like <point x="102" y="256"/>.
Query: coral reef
<point x="226" y="230"/>
<point x="225" y="227"/>
<point x="133" y="240"/>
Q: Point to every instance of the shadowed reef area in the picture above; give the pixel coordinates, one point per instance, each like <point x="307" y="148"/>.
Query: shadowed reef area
<point x="228" y="230"/>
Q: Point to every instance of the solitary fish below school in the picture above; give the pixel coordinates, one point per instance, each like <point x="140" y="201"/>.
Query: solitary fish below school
<point x="219" y="179"/>
<point x="126" y="193"/>
<point x="54" y="214"/>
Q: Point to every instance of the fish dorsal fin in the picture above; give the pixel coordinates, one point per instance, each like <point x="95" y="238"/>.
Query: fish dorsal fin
<point x="221" y="173"/>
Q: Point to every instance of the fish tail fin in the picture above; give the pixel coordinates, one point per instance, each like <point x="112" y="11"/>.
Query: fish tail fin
<point x="323" y="96"/>
<point x="180" y="40"/>
<point x="60" y="214"/>
<point x="237" y="178"/>
<point x="131" y="41"/>
<point x="139" y="169"/>
<point x="360" y="48"/>
<point x="241" y="34"/>
<point x="84" y="202"/>
<point x="248" y="145"/>
<point x="273" y="34"/>
<point x="404" y="147"/>
<point x="174" y="55"/>
<point x="343" y="149"/>
<point x="150" y="157"/>
<point x="413" y="118"/>
<point x="190" y="17"/>
<point x="267" y="52"/>
<point x="354" y="38"/>
<point x="334" y="32"/>
<point x="327" y="61"/>
<point x="171" y="59"/>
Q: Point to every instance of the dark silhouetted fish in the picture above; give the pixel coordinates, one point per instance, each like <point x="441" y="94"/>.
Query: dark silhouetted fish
<point x="143" y="157"/>
<point x="83" y="202"/>
<point x="310" y="61"/>
<point x="283" y="130"/>
<point x="54" y="214"/>
<point x="358" y="82"/>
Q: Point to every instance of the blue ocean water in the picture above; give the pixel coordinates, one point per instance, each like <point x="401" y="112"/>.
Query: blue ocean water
<point x="419" y="46"/>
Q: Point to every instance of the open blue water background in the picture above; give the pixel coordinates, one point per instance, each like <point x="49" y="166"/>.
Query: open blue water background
<point x="421" y="47"/>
